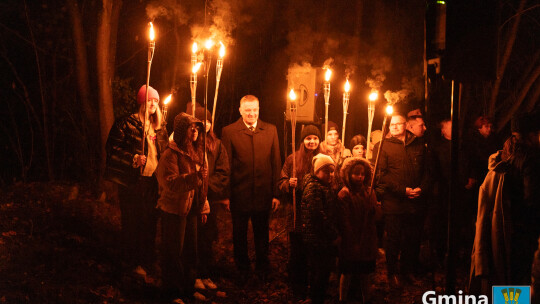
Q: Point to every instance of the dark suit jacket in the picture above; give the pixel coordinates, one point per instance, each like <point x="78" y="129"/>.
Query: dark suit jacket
<point x="255" y="163"/>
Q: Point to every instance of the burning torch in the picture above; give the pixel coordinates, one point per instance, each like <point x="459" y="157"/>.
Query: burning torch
<point x="219" y="68"/>
<point x="166" y="108"/>
<point x="209" y="48"/>
<point x="292" y="98"/>
<point x="346" y="96"/>
<point x="194" y="49"/>
<point x="389" y="111"/>
<point x="193" y="85"/>
<point x="371" y="112"/>
<point x="327" y="76"/>
<point x="151" y="49"/>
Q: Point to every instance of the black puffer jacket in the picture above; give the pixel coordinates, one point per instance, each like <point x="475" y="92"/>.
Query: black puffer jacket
<point x="402" y="165"/>
<point x="124" y="141"/>
<point x="318" y="208"/>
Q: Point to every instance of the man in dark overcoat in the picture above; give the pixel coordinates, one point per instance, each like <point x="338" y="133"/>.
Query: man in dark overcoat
<point x="255" y="161"/>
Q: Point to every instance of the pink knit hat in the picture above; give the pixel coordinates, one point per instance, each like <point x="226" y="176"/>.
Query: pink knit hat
<point x="152" y="94"/>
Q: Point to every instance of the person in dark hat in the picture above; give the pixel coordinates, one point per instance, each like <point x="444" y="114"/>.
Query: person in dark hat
<point x="358" y="146"/>
<point x="333" y="146"/>
<point x="132" y="170"/>
<point x="309" y="146"/>
<point x="181" y="177"/>
<point x="310" y="138"/>
<point x="218" y="196"/>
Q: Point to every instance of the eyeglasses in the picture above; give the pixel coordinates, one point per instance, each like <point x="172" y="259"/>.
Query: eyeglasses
<point x="397" y="124"/>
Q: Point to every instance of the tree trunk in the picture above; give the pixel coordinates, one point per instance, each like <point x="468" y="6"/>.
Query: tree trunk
<point x="104" y="74"/>
<point x="505" y="58"/>
<point x="81" y="59"/>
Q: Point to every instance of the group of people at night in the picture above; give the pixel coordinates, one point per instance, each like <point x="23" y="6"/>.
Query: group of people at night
<point x="338" y="223"/>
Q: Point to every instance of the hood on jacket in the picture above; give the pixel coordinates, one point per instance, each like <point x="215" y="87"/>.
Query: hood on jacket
<point x="347" y="167"/>
<point x="496" y="162"/>
<point x="182" y="122"/>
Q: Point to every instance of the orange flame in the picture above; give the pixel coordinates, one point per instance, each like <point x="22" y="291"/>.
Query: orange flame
<point x="292" y="95"/>
<point x="347" y="86"/>
<point x="373" y="95"/>
<point x="196" y="67"/>
<point x="209" y="44"/>
<point x="167" y="100"/>
<point x="327" y="75"/>
<point x="152" y="34"/>
<point x="194" y="47"/>
<point x="389" y="110"/>
<point x="221" y="50"/>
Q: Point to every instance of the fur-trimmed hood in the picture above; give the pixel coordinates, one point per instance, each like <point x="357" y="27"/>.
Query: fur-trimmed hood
<point x="349" y="164"/>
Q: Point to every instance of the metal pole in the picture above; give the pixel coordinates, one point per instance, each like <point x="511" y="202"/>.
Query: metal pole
<point x="454" y="190"/>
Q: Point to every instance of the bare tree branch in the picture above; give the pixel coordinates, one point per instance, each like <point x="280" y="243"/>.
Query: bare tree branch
<point x="501" y="67"/>
<point x="523" y="93"/>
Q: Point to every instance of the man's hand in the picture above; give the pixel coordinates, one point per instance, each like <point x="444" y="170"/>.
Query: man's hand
<point x="293" y="182"/>
<point x="275" y="204"/>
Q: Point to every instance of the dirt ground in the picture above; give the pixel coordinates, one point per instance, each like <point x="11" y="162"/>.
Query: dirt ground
<point x="58" y="244"/>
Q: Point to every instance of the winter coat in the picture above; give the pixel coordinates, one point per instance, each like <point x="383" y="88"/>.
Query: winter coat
<point x="491" y="248"/>
<point x="255" y="162"/>
<point x="123" y="143"/>
<point x="218" y="172"/>
<point x="402" y="165"/>
<point x="337" y="152"/>
<point x="357" y="212"/>
<point x="317" y="213"/>
<point x="180" y="185"/>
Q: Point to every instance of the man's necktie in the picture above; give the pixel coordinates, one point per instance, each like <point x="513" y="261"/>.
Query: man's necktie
<point x="252" y="128"/>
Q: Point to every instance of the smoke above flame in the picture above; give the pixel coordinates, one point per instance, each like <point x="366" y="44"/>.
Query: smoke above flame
<point x="396" y="97"/>
<point x="168" y="9"/>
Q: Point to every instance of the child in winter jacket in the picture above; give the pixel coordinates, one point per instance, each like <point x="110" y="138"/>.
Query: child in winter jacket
<point x="357" y="212"/>
<point x="317" y="225"/>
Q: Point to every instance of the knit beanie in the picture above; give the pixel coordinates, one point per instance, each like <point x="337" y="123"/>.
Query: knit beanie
<point x="321" y="160"/>
<point x="331" y="126"/>
<point x="199" y="112"/>
<point x="310" y="130"/>
<point x="152" y="94"/>
<point x="358" y="140"/>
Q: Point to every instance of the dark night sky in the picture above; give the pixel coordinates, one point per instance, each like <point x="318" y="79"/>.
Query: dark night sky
<point x="379" y="41"/>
